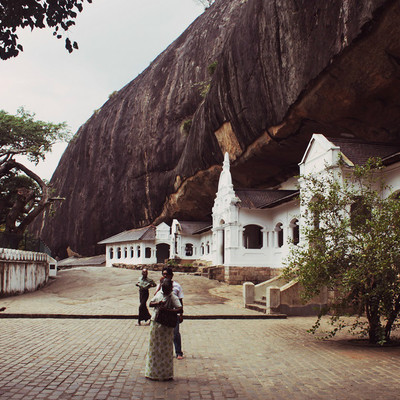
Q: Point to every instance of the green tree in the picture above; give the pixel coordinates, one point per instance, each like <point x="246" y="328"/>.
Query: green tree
<point x="23" y="194"/>
<point x="351" y="245"/>
<point x="14" y="14"/>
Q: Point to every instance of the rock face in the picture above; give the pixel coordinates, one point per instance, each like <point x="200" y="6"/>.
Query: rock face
<point x="252" y="77"/>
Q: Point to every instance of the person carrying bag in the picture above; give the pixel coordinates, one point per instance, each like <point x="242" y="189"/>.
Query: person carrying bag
<point x="160" y="355"/>
<point x="165" y="316"/>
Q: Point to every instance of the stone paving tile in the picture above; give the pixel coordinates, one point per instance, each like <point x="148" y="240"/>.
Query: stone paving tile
<point x="224" y="359"/>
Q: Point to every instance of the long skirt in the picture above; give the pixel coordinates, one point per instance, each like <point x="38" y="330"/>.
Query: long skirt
<point x="144" y="314"/>
<point x="160" y="355"/>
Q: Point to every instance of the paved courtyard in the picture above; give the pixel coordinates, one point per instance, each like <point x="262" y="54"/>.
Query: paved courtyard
<point x="112" y="291"/>
<point x="64" y="358"/>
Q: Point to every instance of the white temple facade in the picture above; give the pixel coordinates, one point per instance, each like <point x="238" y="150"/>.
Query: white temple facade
<point x="249" y="227"/>
<point x="252" y="227"/>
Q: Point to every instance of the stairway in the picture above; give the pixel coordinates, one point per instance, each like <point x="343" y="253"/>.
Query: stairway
<point x="260" y="306"/>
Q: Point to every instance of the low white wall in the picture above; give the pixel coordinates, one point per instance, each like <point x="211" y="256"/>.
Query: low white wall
<point x="22" y="271"/>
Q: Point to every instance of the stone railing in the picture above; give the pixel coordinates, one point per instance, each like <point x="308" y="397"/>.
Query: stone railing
<point x="260" y="290"/>
<point x="280" y="296"/>
<point x="24" y="271"/>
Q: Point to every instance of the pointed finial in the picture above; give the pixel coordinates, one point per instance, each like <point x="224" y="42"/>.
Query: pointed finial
<point x="225" y="179"/>
<point x="226" y="164"/>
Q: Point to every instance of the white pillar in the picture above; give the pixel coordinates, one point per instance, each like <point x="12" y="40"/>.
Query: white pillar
<point x="286" y="235"/>
<point x="220" y="246"/>
<point x="265" y="238"/>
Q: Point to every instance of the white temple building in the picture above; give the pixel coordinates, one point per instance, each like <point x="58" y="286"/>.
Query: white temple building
<point x="250" y="228"/>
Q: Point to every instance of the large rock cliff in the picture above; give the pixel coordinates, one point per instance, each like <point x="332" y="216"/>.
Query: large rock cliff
<point x="252" y="77"/>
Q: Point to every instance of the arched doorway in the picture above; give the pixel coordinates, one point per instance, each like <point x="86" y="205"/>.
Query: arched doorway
<point x="162" y="252"/>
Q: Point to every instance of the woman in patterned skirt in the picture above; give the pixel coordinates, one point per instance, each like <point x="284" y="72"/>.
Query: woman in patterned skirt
<point x="160" y="356"/>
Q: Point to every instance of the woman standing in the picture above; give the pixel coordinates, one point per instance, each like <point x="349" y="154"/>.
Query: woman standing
<point x="160" y="356"/>
<point x="144" y="284"/>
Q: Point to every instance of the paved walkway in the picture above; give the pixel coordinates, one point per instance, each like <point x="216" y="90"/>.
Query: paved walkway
<point x="112" y="291"/>
<point x="224" y="359"/>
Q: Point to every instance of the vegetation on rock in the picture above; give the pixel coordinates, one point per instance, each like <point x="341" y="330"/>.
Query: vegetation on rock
<point x="185" y="126"/>
<point x="212" y="67"/>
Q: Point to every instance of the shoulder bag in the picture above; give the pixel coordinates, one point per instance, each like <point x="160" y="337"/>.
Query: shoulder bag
<point x="166" y="318"/>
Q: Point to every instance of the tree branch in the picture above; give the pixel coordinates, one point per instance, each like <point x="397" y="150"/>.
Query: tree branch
<point x="23" y="199"/>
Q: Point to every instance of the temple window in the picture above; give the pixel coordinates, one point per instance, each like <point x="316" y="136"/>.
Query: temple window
<point x="294" y="226"/>
<point x="189" y="249"/>
<point x="279" y="234"/>
<point x="252" y="237"/>
<point x="360" y="213"/>
<point x="147" y="252"/>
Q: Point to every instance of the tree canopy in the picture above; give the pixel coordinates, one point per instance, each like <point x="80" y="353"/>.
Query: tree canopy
<point x="14" y="14"/>
<point x="351" y="245"/>
<point x="23" y="193"/>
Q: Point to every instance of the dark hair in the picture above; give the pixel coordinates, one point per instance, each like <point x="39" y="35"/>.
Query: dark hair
<point x="168" y="271"/>
<point x="167" y="285"/>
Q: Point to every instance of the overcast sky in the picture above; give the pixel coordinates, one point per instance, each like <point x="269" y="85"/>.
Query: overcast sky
<point x="117" y="40"/>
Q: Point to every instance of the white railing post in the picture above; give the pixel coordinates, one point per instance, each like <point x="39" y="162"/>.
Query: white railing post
<point x="273" y="295"/>
<point x="248" y="293"/>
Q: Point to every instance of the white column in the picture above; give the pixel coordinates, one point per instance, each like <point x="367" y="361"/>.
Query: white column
<point x="286" y="234"/>
<point x="220" y="246"/>
<point x="141" y="253"/>
<point x="240" y="238"/>
<point x="265" y="238"/>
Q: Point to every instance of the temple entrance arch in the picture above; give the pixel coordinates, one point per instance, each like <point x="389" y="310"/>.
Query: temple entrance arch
<point x="162" y="252"/>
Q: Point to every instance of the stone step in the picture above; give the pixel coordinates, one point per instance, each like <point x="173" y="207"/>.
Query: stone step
<point x="261" y="302"/>
<point x="262" y="309"/>
<point x="257" y="307"/>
